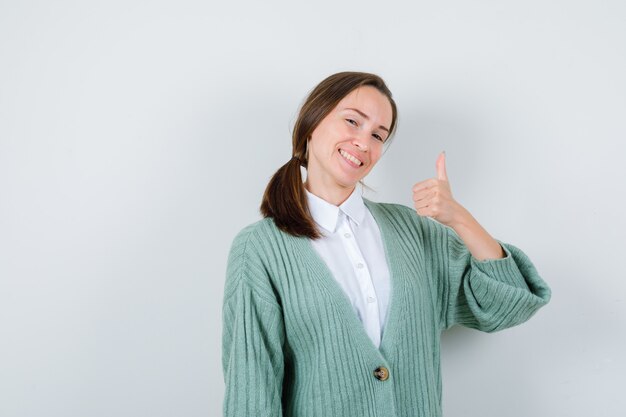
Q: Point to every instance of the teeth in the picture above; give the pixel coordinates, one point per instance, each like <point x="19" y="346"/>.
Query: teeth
<point x="349" y="157"/>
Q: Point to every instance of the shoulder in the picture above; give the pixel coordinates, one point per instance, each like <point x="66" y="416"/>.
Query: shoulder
<point x="399" y="211"/>
<point x="252" y="238"/>
<point x="389" y="209"/>
<point x="252" y="230"/>
<point x="248" y="258"/>
<point x="403" y="217"/>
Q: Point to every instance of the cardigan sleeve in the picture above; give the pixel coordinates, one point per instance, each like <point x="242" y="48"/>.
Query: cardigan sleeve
<point x="488" y="295"/>
<point x="252" y="337"/>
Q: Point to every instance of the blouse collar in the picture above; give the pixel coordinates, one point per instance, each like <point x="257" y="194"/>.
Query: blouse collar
<point x="327" y="214"/>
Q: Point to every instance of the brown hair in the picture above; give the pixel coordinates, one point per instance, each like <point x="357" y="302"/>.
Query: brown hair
<point x="285" y="198"/>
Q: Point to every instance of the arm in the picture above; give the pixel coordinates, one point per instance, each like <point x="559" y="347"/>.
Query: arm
<point x="481" y="282"/>
<point x="433" y="198"/>
<point x="491" y="294"/>
<point x="252" y="338"/>
<point x="478" y="241"/>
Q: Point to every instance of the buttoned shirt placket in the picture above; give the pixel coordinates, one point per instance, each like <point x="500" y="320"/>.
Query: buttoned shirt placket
<point x="345" y="229"/>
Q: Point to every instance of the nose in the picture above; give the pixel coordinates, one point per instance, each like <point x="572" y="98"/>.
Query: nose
<point x="361" y="141"/>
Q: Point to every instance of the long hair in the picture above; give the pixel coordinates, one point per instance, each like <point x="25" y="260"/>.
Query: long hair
<point x="285" y="197"/>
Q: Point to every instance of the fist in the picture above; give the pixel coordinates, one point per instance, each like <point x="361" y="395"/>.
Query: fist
<point x="433" y="197"/>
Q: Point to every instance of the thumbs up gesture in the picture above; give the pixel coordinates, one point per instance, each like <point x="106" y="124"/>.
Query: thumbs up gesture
<point x="433" y="197"/>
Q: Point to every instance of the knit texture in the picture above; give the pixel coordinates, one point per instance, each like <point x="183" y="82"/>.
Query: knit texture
<point x="293" y="346"/>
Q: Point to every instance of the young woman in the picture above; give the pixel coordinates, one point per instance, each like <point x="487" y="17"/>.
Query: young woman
<point x="334" y="304"/>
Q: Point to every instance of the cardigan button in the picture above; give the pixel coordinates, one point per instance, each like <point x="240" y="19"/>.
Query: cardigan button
<point x="381" y="373"/>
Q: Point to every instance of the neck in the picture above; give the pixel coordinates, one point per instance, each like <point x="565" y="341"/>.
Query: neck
<point x="334" y="196"/>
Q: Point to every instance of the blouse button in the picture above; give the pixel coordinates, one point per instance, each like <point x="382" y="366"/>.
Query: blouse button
<point x="359" y="265"/>
<point x="347" y="235"/>
<point x="381" y="373"/>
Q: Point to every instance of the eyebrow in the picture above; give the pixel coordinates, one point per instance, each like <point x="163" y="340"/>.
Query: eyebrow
<point x="366" y="117"/>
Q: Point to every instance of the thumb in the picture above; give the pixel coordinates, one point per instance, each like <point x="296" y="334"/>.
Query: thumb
<point x="441" y="167"/>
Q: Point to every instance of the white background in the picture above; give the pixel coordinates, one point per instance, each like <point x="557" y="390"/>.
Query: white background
<point x="137" y="137"/>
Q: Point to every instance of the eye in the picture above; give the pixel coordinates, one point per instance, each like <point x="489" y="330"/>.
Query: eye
<point x="352" y="122"/>
<point x="378" y="137"/>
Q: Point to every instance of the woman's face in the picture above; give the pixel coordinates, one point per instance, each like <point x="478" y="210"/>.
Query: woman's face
<point x="348" y="142"/>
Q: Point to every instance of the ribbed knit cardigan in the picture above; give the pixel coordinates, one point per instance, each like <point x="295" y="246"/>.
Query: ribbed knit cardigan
<point x="293" y="346"/>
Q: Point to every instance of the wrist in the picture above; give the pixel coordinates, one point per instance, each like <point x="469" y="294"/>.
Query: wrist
<point x="462" y="219"/>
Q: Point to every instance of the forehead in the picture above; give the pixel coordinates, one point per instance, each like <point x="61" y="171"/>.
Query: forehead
<point x="371" y="102"/>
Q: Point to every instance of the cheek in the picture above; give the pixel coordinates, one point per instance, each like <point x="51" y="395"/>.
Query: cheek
<point x="377" y="152"/>
<point x="323" y="133"/>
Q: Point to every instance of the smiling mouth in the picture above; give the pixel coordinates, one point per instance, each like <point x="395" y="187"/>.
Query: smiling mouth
<point x="350" y="158"/>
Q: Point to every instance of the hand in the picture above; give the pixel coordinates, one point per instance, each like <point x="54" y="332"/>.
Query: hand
<point x="433" y="197"/>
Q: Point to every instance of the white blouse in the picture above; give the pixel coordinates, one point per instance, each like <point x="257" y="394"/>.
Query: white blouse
<point x="352" y="248"/>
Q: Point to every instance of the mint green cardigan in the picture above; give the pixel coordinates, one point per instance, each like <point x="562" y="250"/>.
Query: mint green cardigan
<point x="293" y="346"/>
